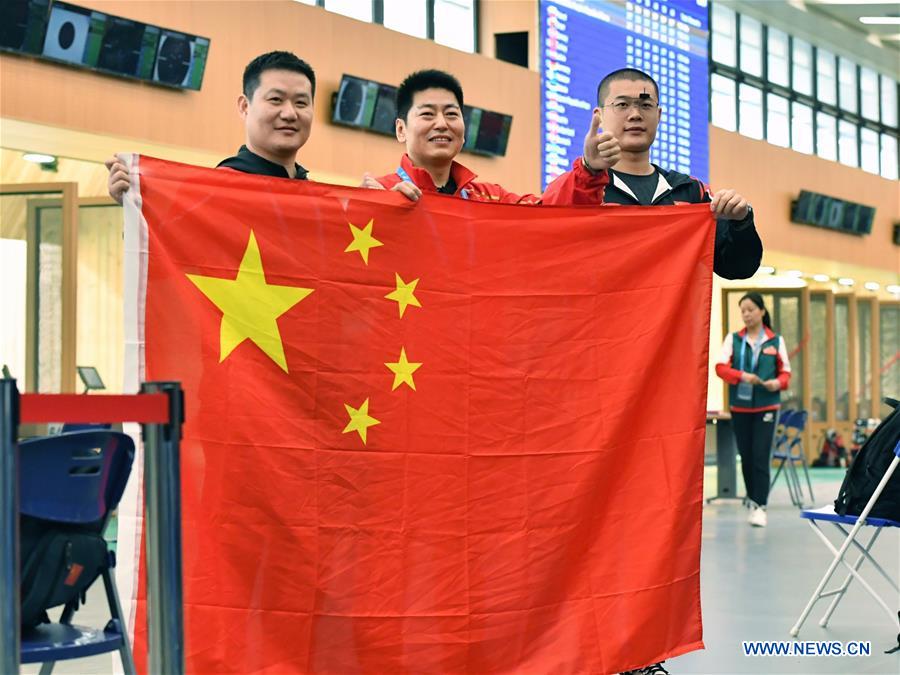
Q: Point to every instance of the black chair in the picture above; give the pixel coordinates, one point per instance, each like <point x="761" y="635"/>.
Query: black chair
<point x="76" y="478"/>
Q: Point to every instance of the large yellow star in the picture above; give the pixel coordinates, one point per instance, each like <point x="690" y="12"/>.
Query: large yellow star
<point x="404" y="294"/>
<point x="403" y="371"/>
<point x="250" y="306"/>
<point x="360" y="420"/>
<point x="362" y="241"/>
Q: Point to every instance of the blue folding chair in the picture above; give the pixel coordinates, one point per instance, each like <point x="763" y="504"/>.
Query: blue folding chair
<point x="827" y="514"/>
<point x="788" y="450"/>
<point x="76" y="478"/>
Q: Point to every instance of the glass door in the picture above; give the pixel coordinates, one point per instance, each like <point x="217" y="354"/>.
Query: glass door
<point x="38" y="278"/>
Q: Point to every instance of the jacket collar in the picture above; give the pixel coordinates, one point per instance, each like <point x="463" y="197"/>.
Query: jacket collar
<point x="663" y="187"/>
<point x="423" y="180"/>
<point x="249" y="162"/>
<point x="768" y="331"/>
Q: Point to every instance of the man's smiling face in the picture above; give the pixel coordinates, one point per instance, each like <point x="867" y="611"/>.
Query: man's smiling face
<point x="279" y="115"/>
<point x="434" y="131"/>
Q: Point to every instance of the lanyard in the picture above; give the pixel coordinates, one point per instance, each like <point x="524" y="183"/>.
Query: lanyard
<point x="405" y="176"/>
<point x="755" y="351"/>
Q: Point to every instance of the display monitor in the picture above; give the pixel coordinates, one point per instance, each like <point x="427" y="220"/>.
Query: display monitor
<point x="493" y="133"/>
<point x="811" y="208"/>
<point x="90" y="378"/>
<point x="385" y="114"/>
<point x="22" y="25"/>
<point x="128" y="48"/>
<point x="583" y="40"/>
<point x="74" y="34"/>
<point x="487" y="132"/>
<point x="355" y="102"/>
<point x="180" y="60"/>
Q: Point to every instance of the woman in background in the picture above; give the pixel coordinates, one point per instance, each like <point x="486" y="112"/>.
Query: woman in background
<point x="754" y="363"/>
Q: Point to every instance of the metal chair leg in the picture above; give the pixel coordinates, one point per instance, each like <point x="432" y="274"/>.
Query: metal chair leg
<point x="793" y="482"/>
<point x="777" y="473"/>
<point x="115" y="609"/>
<point x="812" y="498"/>
<point x="844" y="586"/>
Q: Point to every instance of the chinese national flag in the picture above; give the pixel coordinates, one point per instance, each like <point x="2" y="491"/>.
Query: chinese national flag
<point x="441" y="436"/>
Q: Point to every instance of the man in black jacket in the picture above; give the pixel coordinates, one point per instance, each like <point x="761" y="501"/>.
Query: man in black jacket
<point x="628" y="108"/>
<point x="276" y="106"/>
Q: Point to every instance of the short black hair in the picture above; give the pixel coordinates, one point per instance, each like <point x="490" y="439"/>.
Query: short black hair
<point x="275" y="61"/>
<point x="631" y="74"/>
<point x="422" y="80"/>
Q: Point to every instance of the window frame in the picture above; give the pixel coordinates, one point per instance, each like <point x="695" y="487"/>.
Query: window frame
<point x="378" y="19"/>
<point x="841" y="115"/>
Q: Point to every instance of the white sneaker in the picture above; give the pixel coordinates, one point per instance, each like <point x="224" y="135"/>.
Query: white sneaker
<point x="758" y="517"/>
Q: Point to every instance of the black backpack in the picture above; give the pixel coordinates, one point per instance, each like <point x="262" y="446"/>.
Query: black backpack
<point x="869" y="468"/>
<point x="58" y="564"/>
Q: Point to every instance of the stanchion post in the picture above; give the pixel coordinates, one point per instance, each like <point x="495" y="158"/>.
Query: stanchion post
<point x="162" y="494"/>
<point x="9" y="527"/>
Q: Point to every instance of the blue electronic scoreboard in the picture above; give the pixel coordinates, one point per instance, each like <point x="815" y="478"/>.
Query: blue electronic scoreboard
<point x="583" y="40"/>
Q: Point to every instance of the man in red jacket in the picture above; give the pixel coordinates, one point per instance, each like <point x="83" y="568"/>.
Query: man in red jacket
<point x="430" y="124"/>
<point x="628" y="108"/>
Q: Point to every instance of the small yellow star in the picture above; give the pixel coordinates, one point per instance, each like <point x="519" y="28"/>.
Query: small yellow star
<point x="362" y="241"/>
<point x="403" y="371"/>
<point x="360" y="420"/>
<point x="404" y="294"/>
<point x="250" y="306"/>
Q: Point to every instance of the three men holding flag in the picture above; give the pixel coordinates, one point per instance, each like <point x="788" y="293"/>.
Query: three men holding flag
<point x="276" y="107"/>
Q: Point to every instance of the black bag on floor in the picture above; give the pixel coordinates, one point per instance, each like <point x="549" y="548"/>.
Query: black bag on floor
<point x="869" y="468"/>
<point x="58" y="564"/>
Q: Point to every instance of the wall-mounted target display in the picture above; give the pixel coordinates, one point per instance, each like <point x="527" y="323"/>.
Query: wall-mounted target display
<point x="122" y="46"/>
<point x="493" y="133"/>
<point x="487" y="132"/>
<point x="355" y="103"/>
<point x="180" y="60"/>
<point x="383" y="121"/>
<point x="67" y="33"/>
<point x="22" y="25"/>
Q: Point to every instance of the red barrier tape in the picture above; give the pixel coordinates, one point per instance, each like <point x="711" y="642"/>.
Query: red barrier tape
<point x="100" y="409"/>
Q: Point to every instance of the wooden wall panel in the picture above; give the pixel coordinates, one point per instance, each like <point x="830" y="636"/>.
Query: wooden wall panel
<point x="771" y="177"/>
<point x="100" y="320"/>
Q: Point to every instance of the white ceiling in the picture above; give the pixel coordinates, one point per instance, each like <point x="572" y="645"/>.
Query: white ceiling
<point x="848" y="14"/>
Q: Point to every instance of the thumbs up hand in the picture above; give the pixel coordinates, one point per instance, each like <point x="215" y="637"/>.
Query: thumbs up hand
<point x="601" y="149"/>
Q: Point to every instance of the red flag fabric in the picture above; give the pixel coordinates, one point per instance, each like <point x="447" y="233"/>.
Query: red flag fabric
<point x="440" y="436"/>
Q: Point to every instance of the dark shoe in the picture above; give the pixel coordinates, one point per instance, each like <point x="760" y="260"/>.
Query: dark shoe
<point x="655" y="669"/>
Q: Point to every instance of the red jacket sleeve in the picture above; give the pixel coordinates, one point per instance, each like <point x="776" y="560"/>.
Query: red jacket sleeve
<point x="723" y="367"/>
<point x="388" y="181"/>
<point x="492" y="192"/>
<point x="576" y="187"/>
<point x="783" y="364"/>
<point x="727" y="373"/>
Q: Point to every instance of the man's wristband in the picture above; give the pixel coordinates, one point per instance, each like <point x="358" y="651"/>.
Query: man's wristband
<point x="588" y="167"/>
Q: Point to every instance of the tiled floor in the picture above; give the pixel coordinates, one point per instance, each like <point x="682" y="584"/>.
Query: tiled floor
<point x="755" y="582"/>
